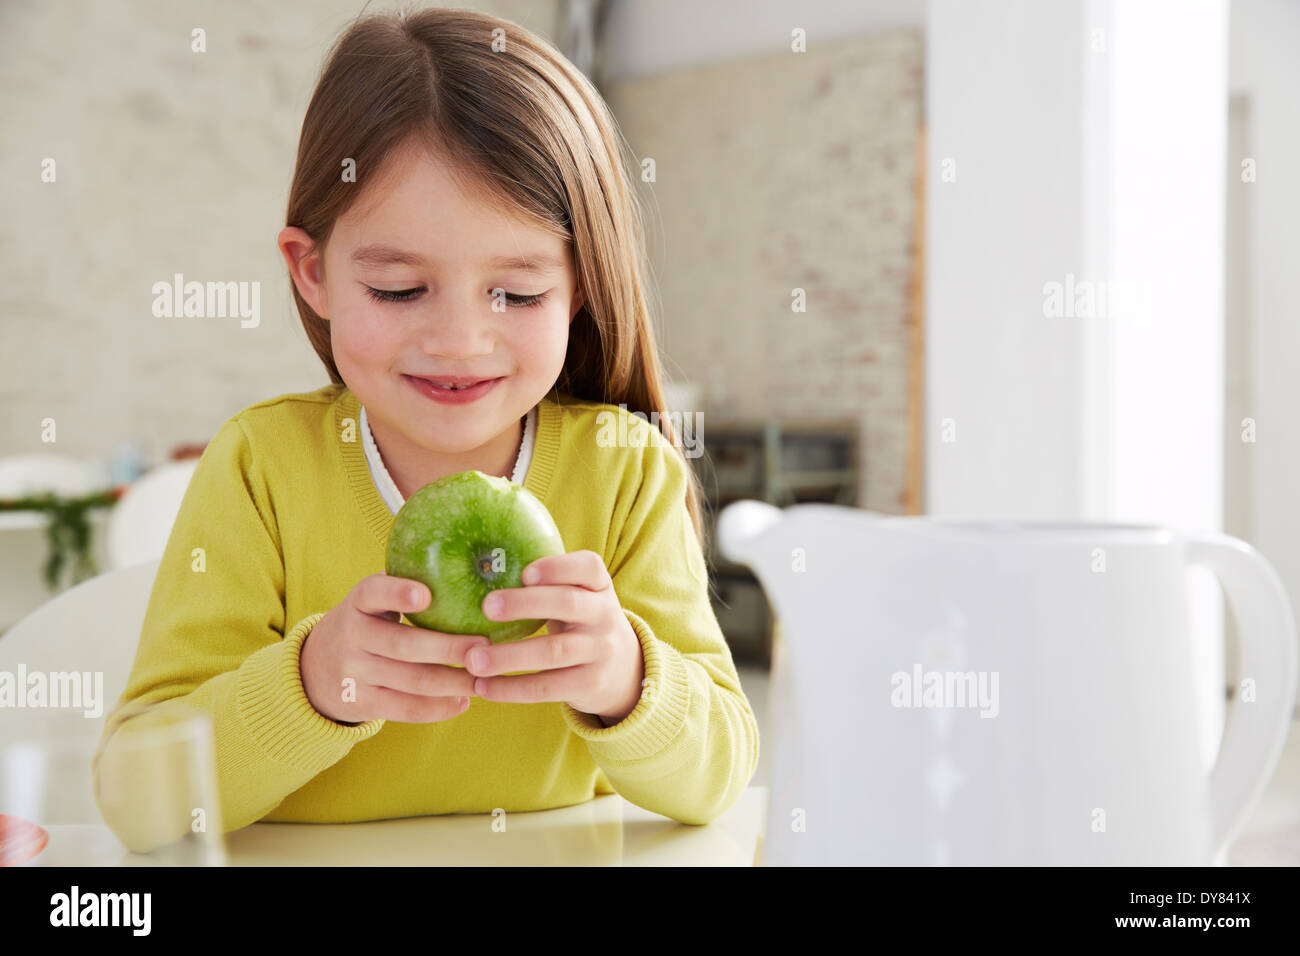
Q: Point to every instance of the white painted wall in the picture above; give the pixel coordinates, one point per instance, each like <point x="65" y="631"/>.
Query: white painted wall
<point x="648" y="38"/>
<point x="1264" y="67"/>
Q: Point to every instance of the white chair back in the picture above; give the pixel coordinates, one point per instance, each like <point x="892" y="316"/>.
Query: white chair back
<point x="141" y="521"/>
<point x="82" y="645"/>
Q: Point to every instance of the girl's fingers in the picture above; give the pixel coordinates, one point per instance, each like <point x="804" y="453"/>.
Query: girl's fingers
<point x="381" y="594"/>
<point x="416" y="645"/>
<point x="413" y="709"/>
<point x="584" y="569"/>
<point x="421" y="680"/>
<point x="561" y="602"/>
<point x="559" y="685"/>
<point x="546" y="652"/>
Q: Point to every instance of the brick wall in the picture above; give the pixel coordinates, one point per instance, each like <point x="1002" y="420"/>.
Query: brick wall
<point x="783" y="171"/>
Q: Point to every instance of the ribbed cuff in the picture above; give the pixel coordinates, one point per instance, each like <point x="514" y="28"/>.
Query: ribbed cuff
<point x="659" y="714"/>
<point x="276" y="713"/>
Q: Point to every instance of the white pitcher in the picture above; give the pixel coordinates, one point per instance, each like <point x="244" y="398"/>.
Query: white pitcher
<point x="1004" y="693"/>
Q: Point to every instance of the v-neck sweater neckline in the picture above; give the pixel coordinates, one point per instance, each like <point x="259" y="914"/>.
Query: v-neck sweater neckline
<point x="347" y="420"/>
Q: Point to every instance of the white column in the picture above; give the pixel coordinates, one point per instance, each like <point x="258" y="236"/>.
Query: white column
<point x="1079" y="145"/>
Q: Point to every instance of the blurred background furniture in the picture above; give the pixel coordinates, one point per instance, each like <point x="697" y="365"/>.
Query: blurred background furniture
<point x="48" y="471"/>
<point x="24" y="544"/>
<point x="108" y="516"/>
<point x="781" y="463"/>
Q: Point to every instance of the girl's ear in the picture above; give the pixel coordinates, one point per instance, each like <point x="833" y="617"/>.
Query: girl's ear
<point x="579" y="299"/>
<point x="305" y="268"/>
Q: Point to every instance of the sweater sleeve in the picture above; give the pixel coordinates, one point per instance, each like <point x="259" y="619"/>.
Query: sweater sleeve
<point x="214" y="640"/>
<point x="690" y="746"/>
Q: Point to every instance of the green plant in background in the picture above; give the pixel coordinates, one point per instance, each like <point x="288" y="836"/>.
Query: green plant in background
<point x="68" y="532"/>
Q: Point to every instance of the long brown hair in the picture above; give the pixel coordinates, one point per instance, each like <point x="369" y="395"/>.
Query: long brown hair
<point x="520" y="122"/>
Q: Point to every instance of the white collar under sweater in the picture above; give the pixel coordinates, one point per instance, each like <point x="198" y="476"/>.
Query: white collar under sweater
<point x="388" y="489"/>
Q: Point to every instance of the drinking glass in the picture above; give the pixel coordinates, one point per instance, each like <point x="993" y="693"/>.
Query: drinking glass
<point x="159" y="774"/>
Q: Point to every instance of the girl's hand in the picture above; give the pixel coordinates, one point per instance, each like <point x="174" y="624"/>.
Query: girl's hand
<point x="360" y="663"/>
<point x="590" y="659"/>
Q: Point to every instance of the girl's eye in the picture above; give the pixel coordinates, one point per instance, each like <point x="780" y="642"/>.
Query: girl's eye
<point x="525" y="301"/>
<point x="382" y="295"/>
<point x="403" y="295"/>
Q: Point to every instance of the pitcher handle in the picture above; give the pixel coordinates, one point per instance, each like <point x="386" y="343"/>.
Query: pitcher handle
<point x="1254" y="732"/>
<point x="740" y="523"/>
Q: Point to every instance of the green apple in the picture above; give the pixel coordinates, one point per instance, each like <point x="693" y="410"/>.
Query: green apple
<point x="464" y="536"/>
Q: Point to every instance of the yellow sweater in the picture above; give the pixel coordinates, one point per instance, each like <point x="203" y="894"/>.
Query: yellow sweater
<point x="288" y="520"/>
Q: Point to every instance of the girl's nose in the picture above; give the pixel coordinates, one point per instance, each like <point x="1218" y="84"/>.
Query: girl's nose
<point x="457" y="329"/>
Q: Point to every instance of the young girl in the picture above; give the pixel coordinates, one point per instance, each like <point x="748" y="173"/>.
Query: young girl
<point x="467" y="258"/>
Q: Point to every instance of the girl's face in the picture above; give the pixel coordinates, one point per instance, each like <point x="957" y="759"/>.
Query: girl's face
<point x="463" y="312"/>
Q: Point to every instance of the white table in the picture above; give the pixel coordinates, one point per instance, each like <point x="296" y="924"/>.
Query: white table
<point x="1271" y="835"/>
<point x="605" y="831"/>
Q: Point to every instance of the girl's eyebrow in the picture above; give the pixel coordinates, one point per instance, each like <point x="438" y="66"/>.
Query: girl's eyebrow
<point x="379" y="254"/>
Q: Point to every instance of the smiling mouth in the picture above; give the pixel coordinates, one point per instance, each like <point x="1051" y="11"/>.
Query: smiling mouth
<point x="453" y="385"/>
<point x="451" y="391"/>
